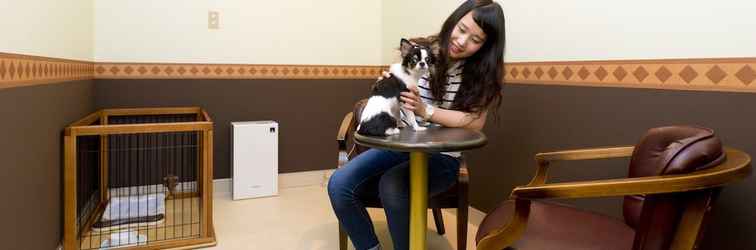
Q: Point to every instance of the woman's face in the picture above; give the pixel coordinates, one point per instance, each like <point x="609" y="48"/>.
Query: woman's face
<point x="466" y="38"/>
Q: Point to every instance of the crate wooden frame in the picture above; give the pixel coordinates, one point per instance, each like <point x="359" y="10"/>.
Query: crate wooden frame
<point x="84" y="126"/>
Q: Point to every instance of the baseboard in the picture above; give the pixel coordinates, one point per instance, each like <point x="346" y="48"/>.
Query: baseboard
<point x="476" y="216"/>
<point x="302" y="179"/>
<point x="222" y="186"/>
<point x="327" y="176"/>
<point x="285" y="180"/>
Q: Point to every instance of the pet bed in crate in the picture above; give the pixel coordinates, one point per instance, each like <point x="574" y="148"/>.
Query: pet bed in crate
<point x="132" y="211"/>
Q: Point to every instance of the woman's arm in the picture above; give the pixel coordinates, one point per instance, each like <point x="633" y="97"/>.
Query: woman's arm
<point x="445" y="117"/>
<point x="454" y="118"/>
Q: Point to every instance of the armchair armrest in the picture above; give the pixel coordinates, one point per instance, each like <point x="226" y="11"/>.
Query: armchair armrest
<point x="586" y="154"/>
<point x="341" y="137"/>
<point x="737" y="166"/>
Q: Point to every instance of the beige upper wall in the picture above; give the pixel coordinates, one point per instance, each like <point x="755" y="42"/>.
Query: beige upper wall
<point x="50" y="28"/>
<point x="406" y="19"/>
<point x="367" y="32"/>
<point x="323" y="32"/>
<point x="557" y="30"/>
<point x="551" y="30"/>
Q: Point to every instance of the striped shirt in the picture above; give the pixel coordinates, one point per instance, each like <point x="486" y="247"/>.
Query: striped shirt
<point x="454" y="79"/>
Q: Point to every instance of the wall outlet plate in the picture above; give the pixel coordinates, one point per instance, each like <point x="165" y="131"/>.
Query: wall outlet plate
<point x="213" y="20"/>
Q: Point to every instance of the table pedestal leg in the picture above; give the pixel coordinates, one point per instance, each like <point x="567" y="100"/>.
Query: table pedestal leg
<point x="418" y="199"/>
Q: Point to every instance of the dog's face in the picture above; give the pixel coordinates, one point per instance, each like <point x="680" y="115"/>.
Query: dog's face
<point x="415" y="57"/>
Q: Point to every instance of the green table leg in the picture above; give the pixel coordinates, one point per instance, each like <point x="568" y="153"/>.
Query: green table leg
<point x="418" y="199"/>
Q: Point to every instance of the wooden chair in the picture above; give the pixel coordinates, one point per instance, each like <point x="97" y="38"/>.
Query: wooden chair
<point x="455" y="197"/>
<point x="675" y="174"/>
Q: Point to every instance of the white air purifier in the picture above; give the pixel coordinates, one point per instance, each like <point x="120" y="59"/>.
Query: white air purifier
<point x="254" y="155"/>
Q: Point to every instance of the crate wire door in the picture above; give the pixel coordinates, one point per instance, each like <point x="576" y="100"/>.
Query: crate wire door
<point x="122" y="157"/>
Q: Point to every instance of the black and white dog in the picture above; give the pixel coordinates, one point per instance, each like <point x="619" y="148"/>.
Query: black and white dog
<point x="382" y="115"/>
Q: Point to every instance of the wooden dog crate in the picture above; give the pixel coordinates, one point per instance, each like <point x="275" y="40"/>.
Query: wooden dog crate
<point x="139" y="179"/>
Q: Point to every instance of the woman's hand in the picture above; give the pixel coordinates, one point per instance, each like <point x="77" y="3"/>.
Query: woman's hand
<point x="411" y="101"/>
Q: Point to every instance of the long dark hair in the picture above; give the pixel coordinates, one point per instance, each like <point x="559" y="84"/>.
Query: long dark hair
<point x="483" y="71"/>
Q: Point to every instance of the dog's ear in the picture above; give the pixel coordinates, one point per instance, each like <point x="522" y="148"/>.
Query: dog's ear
<point x="405" y="46"/>
<point x="375" y="85"/>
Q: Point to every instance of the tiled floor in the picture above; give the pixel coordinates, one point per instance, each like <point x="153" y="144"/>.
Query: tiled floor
<point x="301" y="219"/>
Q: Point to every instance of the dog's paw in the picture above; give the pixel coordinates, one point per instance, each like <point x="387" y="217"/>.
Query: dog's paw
<point x="419" y="128"/>
<point x="392" y="131"/>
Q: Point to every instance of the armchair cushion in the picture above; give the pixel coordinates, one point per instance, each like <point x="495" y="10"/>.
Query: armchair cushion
<point x="675" y="150"/>
<point x="555" y="226"/>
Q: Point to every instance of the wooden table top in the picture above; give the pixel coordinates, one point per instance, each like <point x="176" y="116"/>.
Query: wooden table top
<point x="434" y="139"/>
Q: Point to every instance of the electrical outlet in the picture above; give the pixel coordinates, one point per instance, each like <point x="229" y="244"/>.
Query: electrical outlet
<point x="213" y="20"/>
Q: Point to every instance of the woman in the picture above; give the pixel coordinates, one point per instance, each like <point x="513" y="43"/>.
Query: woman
<point x="465" y="85"/>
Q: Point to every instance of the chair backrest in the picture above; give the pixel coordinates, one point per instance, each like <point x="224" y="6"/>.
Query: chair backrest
<point x="666" y="151"/>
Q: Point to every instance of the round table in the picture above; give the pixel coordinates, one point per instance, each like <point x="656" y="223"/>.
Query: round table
<point x="418" y="144"/>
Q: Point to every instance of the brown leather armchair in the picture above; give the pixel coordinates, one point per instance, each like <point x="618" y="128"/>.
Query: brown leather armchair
<point x="455" y="197"/>
<point x="675" y="174"/>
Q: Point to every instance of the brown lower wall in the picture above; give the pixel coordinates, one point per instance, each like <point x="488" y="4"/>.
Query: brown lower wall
<point x="546" y="118"/>
<point x="33" y="119"/>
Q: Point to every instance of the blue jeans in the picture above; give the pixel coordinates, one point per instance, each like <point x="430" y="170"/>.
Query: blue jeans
<point x="382" y="174"/>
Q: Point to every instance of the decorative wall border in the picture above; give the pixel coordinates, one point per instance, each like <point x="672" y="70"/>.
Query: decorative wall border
<point x="722" y="74"/>
<point x="233" y="71"/>
<point x="725" y="74"/>
<point x="22" y="70"/>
